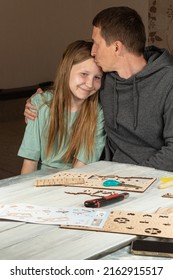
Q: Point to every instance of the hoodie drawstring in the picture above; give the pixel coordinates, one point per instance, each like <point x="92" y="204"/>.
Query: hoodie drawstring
<point x="135" y="103"/>
<point x="115" y="105"/>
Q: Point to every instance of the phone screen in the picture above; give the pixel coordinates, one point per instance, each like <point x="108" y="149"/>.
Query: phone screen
<point x="152" y="248"/>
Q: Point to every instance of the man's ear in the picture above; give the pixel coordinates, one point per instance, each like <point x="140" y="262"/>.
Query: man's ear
<point x="118" y="46"/>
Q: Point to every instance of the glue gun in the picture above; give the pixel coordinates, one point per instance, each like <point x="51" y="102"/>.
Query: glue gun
<point x="105" y="200"/>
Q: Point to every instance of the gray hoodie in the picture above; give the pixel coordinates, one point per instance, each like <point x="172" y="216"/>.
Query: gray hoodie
<point x="138" y="113"/>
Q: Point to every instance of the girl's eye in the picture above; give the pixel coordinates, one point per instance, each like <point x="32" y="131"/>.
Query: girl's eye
<point x="83" y="74"/>
<point x="98" y="77"/>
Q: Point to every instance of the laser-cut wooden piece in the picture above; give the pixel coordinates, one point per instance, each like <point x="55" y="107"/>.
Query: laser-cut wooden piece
<point x="137" y="223"/>
<point x="91" y="192"/>
<point x="168" y="195"/>
<point x="163" y="211"/>
<point x="86" y="180"/>
<point x="59" y="182"/>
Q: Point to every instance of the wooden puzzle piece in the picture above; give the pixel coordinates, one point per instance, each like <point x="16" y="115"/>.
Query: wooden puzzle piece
<point x="166" y="211"/>
<point x="137" y="223"/>
<point x="91" y="192"/>
<point x="59" y="182"/>
<point x="168" y="195"/>
<point x="96" y="181"/>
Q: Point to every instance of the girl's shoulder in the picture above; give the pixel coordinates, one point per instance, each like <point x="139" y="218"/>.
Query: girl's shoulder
<point x="40" y="99"/>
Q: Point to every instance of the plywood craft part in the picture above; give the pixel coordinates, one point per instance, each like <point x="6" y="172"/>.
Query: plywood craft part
<point x="168" y="195"/>
<point x="137" y="223"/>
<point x="95" y="181"/>
<point x="59" y="182"/>
<point x="91" y="192"/>
<point x="165" y="211"/>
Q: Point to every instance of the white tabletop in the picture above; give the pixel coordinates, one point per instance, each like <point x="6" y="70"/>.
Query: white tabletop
<point x="20" y="240"/>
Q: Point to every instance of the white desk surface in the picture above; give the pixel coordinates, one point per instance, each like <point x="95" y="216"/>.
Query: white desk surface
<point x="24" y="241"/>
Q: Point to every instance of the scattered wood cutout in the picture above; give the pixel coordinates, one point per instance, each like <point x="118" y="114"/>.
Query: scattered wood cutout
<point x="91" y="192"/>
<point x="168" y="195"/>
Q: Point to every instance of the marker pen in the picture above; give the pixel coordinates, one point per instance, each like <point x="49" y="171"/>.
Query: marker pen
<point x="105" y="200"/>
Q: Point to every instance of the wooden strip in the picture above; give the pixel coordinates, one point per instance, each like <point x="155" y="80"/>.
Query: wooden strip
<point x="58" y="182"/>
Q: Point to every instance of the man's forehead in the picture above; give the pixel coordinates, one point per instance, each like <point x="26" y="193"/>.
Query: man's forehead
<point x="96" y="33"/>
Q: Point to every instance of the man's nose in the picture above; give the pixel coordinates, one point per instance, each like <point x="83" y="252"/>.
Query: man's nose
<point x="93" y="53"/>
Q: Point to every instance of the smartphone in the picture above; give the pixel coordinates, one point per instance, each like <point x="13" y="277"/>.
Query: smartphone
<point x="152" y="248"/>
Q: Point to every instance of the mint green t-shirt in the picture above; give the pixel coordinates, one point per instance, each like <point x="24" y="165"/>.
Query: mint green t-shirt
<point x="34" y="141"/>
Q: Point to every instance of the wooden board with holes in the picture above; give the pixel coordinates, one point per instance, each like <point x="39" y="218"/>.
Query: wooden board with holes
<point x="95" y="181"/>
<point x="136" y="223"/>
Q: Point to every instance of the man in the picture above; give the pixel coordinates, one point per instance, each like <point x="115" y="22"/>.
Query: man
<point x="137" y="94"/>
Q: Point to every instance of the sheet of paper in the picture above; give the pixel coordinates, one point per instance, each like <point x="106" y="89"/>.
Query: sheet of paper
<point x="53" y="215"/>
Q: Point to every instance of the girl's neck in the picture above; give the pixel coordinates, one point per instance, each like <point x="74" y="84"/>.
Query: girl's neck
<point x="75" y="106"/>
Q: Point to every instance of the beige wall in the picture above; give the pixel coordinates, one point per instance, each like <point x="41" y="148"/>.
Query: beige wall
<point x="35" y="32"/>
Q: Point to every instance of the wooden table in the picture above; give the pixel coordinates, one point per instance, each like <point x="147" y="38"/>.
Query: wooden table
<point x="19" y="240"/>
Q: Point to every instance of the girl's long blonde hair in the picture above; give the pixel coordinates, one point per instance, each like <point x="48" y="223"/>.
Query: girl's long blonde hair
<point x="84" y="127"/>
